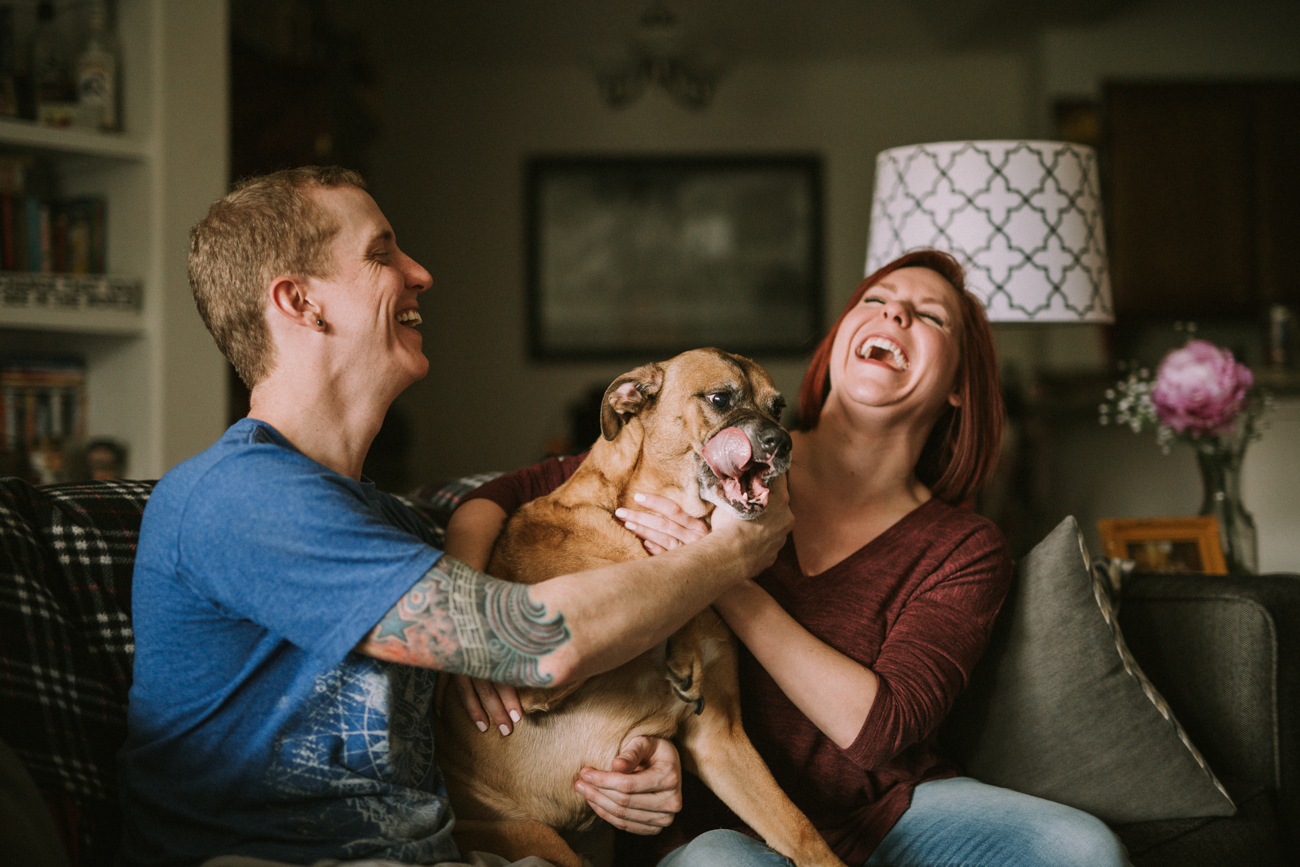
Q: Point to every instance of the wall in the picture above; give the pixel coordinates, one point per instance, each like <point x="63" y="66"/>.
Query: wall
<point x="1111" y="473"/>
<point x="448" y="175"/>
<point x="448" y="170"/>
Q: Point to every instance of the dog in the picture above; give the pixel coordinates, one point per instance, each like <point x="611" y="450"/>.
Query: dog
<point x="701" y="429"/>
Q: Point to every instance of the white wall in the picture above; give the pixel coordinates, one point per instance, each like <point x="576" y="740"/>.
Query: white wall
<point x="1189" y="39"/>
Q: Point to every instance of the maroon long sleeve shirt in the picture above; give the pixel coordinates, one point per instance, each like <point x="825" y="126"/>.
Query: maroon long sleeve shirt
<point x="915" y="605"/>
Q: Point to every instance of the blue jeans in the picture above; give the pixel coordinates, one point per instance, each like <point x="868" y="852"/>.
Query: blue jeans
<point x="958" y="822"/>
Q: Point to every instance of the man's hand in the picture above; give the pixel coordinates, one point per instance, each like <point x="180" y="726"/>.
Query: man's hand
<point x="643" y="792"/>
<point x="662" y="526"/>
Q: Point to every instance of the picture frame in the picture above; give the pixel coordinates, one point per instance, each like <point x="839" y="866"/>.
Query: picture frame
<point x="646" y="256"/>
<point x="1165" y="544"/>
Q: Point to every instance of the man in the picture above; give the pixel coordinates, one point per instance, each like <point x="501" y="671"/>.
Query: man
<point x="290" y="620"/>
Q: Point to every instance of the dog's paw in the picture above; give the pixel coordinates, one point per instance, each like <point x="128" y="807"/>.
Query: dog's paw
<point x="685" y="665"/>
<point x="538" y="700"/>
<point x="535" y="700"/>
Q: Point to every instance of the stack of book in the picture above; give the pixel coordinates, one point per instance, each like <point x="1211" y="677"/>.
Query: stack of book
<point x="42" y="416"/>
<point x="42" y="235"/>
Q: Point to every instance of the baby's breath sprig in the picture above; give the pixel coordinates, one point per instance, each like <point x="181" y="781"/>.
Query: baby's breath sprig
<point x="1129" y="402"/>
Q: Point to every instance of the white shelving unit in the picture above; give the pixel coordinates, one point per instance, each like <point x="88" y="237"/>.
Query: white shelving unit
<point x="155" y="381"/>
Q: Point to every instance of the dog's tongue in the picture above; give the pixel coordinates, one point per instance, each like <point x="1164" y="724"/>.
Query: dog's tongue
<point x="728" y="453"/>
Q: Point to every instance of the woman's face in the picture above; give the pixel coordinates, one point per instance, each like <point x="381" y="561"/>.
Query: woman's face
<point x="900" y="346"/>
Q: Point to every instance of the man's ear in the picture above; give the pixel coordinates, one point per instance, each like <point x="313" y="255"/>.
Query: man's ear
<point x="287" y="297"/>
<point x="627" y="396"/>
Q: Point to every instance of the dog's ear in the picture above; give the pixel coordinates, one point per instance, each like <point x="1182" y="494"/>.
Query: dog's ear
<point x="628" y="395"/>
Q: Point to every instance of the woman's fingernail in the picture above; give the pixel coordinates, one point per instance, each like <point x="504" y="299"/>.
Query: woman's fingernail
<point x="514" y="715"/>
<point x="482" y="726"/>
<point x="505" y="729"/>
<point x="640" y="498"/>
<point x="581" y="787"/>
<point x="629" y="525"/>
<point x="620" y="513"/>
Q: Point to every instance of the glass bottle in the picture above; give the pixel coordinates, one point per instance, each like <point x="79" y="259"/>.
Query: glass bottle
<point x="9" y="72"/>
<point x="1221" y="481"/>
<point x="51" y="82"/>
<point x="97" y="73"/>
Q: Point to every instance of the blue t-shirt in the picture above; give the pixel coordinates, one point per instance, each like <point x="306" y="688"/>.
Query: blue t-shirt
<point x="254" y="728"/>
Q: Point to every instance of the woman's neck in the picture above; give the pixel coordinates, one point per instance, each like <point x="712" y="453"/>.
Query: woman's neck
<point x="861" y="461"/>
<point x="849" y="482"/>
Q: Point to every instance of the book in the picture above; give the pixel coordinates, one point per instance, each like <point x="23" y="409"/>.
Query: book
<point x="42" y="413"/>
<point x="77" y="235"/>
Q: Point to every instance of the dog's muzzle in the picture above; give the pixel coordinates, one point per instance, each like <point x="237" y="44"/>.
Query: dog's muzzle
<point x="743" y="460"/>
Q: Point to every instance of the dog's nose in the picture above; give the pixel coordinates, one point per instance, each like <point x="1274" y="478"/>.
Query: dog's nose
<point x="775" y="442"/>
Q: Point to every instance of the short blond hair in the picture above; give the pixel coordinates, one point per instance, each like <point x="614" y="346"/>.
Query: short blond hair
<point x="264" y="227"/>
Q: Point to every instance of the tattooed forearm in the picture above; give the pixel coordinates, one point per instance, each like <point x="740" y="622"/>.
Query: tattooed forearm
<point x="457" y="619"/>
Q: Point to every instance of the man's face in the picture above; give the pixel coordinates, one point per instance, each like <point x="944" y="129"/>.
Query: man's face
<point x="370" y="303"/>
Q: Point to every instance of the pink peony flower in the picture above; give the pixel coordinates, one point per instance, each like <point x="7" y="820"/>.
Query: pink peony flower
<point x="1200" y="389"/>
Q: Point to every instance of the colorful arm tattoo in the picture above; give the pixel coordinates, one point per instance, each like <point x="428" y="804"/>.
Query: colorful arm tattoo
<point x="460" y="620"/>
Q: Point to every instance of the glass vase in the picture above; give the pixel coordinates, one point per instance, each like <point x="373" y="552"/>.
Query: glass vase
<point x="1221" y="478"/>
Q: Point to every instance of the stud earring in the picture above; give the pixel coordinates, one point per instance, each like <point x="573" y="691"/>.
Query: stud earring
<point x="320" y="322"/>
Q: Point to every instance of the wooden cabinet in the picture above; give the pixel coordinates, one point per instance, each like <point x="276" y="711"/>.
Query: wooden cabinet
<point x="1203" y="197"/>
<point x="154" y="378"/>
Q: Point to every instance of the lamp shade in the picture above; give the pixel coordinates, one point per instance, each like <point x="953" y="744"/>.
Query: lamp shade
<point x="1023" y="217"/>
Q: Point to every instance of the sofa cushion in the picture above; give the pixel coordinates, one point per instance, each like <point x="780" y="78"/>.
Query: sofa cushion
<point x="1058" y="708"/>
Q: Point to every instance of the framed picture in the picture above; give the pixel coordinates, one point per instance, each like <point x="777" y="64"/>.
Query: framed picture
<point x="1165" y="544"/>
<point x="646" y="257"/>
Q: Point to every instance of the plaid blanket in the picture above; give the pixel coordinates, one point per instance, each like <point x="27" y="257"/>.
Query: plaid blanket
<point x="66" y="646"/>
<point x="66" y="555"/>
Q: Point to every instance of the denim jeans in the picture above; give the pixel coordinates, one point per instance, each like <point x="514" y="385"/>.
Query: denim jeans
<point x="958" y="822"/>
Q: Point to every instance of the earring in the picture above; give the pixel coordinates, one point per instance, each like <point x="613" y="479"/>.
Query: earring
<point x="320" y="322"/>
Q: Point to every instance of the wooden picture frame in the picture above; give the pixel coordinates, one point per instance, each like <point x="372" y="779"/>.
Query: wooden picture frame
<point x="1165" y="544"/>
<point x="644" y="257"/>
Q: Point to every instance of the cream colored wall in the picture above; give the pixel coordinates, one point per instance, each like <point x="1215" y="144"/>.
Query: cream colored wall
<point x="190" y="172"/>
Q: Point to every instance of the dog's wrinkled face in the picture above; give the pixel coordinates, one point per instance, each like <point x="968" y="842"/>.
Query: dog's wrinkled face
<point x="717" y="413"/>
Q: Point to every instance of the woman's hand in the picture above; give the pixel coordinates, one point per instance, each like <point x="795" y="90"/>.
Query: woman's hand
<point x="643" y="792"/>
<point x="662" y="524"/>
<point x="489" y="705"/>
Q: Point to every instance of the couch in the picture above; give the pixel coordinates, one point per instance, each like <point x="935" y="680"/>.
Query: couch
<point x="1220" y="657"/>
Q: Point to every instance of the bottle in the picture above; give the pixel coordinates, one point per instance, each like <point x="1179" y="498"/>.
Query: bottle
<point x="97" y="73"/>
<point x="51" y="82"/>
<point x="8" y="64"/>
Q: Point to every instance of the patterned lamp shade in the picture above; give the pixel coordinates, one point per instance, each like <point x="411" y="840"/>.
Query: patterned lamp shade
<point x="1023" y="217"/>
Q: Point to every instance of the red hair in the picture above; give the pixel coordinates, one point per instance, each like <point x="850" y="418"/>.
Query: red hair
<point x="962" y="450"/>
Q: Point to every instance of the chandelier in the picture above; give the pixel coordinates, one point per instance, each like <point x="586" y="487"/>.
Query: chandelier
<point x="657" y="54"/>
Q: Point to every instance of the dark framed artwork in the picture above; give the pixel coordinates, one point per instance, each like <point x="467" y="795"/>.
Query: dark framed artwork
<point x="645" y="257"/>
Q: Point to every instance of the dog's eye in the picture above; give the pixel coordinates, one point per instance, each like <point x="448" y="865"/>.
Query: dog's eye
<point x="778" y="407"/>
<point x="720" y="399"/>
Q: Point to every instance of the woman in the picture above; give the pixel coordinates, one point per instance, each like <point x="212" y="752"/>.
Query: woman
<point x="867" y="627"/>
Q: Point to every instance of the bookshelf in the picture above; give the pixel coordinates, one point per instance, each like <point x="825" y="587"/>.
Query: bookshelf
<point x="154" y="379"/>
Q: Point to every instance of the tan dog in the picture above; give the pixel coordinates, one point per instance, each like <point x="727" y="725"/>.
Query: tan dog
<point x="702" y="430"/>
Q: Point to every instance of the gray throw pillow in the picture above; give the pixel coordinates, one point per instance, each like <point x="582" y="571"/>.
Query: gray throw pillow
<point x="1058" y="707"/>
